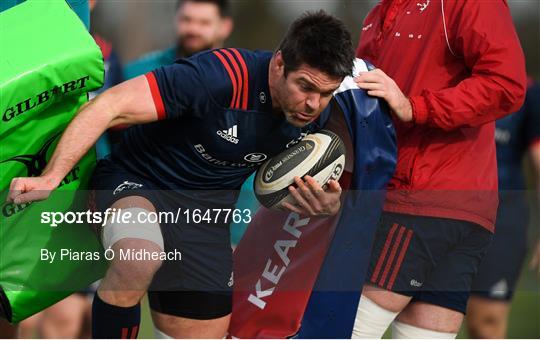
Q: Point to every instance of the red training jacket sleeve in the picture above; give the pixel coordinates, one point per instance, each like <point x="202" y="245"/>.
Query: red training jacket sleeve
<point x="484" y="35"/>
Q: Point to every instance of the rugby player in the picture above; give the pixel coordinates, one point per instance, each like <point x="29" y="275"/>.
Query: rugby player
<point x="200" y="25"/>
<point x="204" y="124"/>
<point x="493" y="287"/>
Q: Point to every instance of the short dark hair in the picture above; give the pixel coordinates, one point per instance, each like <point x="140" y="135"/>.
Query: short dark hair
<point x="320" y="41"/>
<point x="222" y="5"/>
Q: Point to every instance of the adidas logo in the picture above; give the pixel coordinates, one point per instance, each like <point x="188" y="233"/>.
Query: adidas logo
<point x="499" y="290"/>
<point x="415" y="283"/>
<point x="230" y="135"/>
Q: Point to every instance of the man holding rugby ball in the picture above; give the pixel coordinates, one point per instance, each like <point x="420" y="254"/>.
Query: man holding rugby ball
<point x="201" y="127"/>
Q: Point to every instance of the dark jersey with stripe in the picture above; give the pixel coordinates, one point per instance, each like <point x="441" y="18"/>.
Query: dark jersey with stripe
<point x="215" y="125"/>
<point x="514" y="134"/>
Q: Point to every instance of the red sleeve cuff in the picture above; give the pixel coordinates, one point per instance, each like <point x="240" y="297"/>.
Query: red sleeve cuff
<point x="419" y="109"/>
<point x="156" y="95"/>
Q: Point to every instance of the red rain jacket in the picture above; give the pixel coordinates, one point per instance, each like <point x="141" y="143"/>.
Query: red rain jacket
<point x="462" y="70"/>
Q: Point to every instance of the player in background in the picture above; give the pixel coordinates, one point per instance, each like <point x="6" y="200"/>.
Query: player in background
<point x="180" y="154"/>
<point x="113" y="76"/>
<point x="447" y="73"/>
<point x="200" y="25"/>
<point x="516" y="136"/>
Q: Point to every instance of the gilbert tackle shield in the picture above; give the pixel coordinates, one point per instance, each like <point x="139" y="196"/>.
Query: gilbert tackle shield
<point x="48" y="64"/>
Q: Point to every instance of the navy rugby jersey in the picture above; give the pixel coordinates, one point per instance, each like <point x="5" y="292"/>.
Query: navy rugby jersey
<point x="514" y="134"/>
<point x="215" y="125"/>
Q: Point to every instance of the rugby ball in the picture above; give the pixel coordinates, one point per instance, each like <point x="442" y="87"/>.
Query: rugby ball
<point x="320" y="155"/>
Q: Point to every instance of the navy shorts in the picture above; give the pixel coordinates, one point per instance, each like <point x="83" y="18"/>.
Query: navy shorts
<point x="199" y="286"/>
<point x="499" y="271"/>
<point x="430" y="259"/>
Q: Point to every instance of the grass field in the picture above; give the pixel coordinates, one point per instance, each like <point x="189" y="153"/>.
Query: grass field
<point x="524" y="322"/>
<point x="525" y="316"/>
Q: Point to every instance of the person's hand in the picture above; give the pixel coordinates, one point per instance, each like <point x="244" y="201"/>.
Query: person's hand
<point x="312" y="199"/>
<point x="535" y="260"/>
<point x="378" y="84"/>
<point x="29" y="189"/>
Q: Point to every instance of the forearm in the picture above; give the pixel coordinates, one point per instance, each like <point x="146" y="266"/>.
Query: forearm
<point x="127" y="103"/>
<point x="91" y="121"/>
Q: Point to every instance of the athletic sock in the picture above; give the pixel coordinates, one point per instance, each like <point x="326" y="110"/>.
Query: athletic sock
<point x="113" y="322"/>
<point x="402" y="330"/>
<point x="371" y="320"/>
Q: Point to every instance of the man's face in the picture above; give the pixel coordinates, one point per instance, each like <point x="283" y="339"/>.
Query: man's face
<point x="199" y="27"/>
<point x="304" y="94"/>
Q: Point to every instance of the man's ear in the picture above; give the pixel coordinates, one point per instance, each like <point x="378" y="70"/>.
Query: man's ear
<point x="279" y="63"/>
<point x="227" y="26"/>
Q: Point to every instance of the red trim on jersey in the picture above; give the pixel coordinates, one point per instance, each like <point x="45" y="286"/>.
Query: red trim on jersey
<point x="392" y="256"/>
<point x="400" y="260"/>
<point x="124" y="333"/>
<point x="236" y="68"/>
<point x="231" y="75"/>
<point x="534" y="142"/>
<point x="156" y="95"/>
<point x="530" y="82"/>
<point x="380" y="261"/>
<point x="134" y="332"/>
<point x="246" y="78"/>
<point x="119" y="127"/>
<point x="104" y="45"/>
